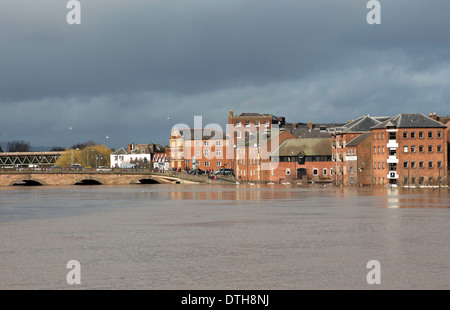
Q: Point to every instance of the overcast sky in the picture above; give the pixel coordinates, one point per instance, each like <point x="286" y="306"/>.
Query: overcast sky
<point x="133" y="68"/>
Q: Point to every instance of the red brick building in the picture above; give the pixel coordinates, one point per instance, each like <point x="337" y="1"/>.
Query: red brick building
<point x="205" y="149"/>
<point x="252" y="123"/>
<point x="302" y="160"/>
<point x="409" y="150"/>
<point x="252" y="155"/>
<point x="359" y="159"/>
<point x="342" y="173"/>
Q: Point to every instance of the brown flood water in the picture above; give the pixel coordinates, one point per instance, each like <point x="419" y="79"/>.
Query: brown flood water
<point x="242" y="237"/>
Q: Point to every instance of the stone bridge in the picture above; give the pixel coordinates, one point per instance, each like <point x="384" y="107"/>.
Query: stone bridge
<point x="84" y="178"/>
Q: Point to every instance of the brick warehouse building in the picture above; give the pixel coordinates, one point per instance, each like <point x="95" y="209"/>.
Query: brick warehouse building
<point x="344" y="135"/>
<point x="359" y="160"/>
<point x="302" y="160"/>
<point x="199" y="148"/>
<point x="252" y="155"/>
<point x="409" y="150"/>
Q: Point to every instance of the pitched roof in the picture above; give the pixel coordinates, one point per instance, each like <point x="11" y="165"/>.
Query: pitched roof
<point x="120" y="151"/>
<point x="356" y="141"/>
<point x="258" y="138"/>
<point x="410" y="120"/>
<point x="202" y="134"/>
<point x="364" y="123"/>
<point x="307" y="147"/>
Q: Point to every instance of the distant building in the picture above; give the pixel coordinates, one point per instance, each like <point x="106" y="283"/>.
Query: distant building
<point x="203" y="148"/>
<point x="252" y="154"/>
<point x="343" y="135"/>
<point x="302" y="160"/>
<point x="245" y="123"/>
<point x="136" y="154"/>
<point x="359" y="159"/>
<point x="409" y="150"/>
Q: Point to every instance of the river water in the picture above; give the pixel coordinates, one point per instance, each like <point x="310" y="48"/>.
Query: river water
<point x="190" y="237"/>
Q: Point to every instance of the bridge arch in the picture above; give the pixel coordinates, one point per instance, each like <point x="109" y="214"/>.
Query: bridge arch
<point x="26" y="180"/>
<point x="147" y="180"/>
<point x="89" y="181"/>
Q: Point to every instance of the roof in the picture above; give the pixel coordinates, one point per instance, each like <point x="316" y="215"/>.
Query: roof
<point x="258" y="138"/>
<point x="356" y="141"/>
<point x="410" y="120"/>
<point x="120" y="151"/>
<point x="302" y="130"/>
<point x="364" y="123"/>
<point x="307" y="147"/>
<point x="202" y="134"/>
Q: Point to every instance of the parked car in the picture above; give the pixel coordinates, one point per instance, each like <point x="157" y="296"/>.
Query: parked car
<point x="103" y="168"/>
<point x="76" y="167"/>
<point x="224" y="171"/>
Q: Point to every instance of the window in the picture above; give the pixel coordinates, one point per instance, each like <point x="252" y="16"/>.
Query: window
<point x="218" y="143"/>
<point x="324" y="171"/>
<point x="238" y="124"/>
<point x="405" y="135"/>
<point x="374" y="136"/>
<point x="430" y="164"/>
<point x="197" y="153"/>
<point x="257" y="123"/>
<point x="392" y="136"/>
<point x="374" y="165"/>
<point x="430" y="149"/>
<point x="218" y="152"/>
<point x="288" y="171"/>
<point x="430" y="134"/>
<point x="273" y="171"/>
<point x="413" y="165"/>
<point x="379" y="165"/>
<point x="439" y="164"/>
<point x="405" y="149"/>
<point x="206" y="163"/>
<point x="238" y="134"/>
<point x="219" y="163"/>
<point x="266" y="124"/>
<point x="413" y="148"/>
<point x="383" y="164"/>
<point x="413" y="180"/>
<point x="378" y="149"/>
<point x="383" y="149"/>
<point x="378" y="136"/>
<point x="420" y="134"/>
<point x="439" y="148"/>
<point x="405" y="164"/>
<point x="197" y="143"/>
<point x="206" y="143"/>
<point x="382" y="135"/>
<point x="420" y="148"/>
<point x="439" y="134"/>
<point x="413" y="135"/>
<point x="315" y="171"/>
<point x="374" y="149"/>
<point x="420" y="164"/>
<point x="206" y="152"/>
<point x="247" y="124"/>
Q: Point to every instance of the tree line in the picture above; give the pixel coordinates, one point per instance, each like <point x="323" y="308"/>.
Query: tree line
<point x="24" y="146"/>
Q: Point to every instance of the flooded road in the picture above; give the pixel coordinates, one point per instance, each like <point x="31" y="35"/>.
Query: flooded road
<point x="205" y="237"/>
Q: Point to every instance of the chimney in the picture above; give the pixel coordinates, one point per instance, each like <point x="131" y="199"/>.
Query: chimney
<point x="435" y="116"/>
<point x="310" y="125"/>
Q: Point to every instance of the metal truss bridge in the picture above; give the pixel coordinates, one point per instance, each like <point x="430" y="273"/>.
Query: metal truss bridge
<point x="26" y="159"/>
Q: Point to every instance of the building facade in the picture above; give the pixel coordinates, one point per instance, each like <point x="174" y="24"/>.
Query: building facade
<point x="409" y="150"/>
<point x="204" y="149"/>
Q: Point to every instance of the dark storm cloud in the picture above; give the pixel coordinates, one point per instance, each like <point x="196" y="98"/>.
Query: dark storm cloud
<point x="133" y="69"/>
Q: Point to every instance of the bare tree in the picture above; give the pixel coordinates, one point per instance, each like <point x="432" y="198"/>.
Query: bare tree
<point x="18" y="146"/>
